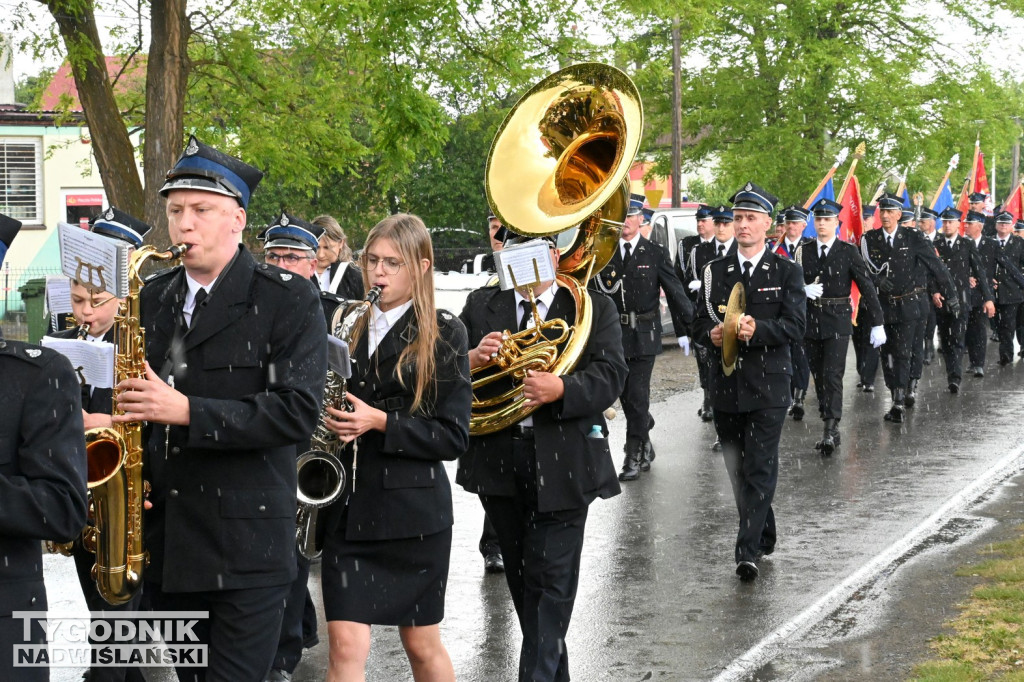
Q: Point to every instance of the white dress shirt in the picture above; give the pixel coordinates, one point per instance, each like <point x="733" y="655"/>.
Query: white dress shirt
<point x="381" y="324"/>
<point x="190" y="296"/>
<point x="544" y="302"/>
<point x="632" y="245"/>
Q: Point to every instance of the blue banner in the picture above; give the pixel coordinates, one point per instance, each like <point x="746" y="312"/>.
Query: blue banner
<point x="945" y="198"/>
<point x="827" y="192"/>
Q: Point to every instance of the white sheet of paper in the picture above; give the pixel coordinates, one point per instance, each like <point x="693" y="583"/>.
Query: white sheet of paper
<point x="523" y="259"/>
<point x="58" y="294"/>
<point x="93" y="259"/>
<point x="337" y="357"/>
<point x="93" y="361"/>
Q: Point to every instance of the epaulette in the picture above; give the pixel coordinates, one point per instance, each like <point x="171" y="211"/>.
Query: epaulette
<point x="166" y="272"/>
<point x="279" y="275"/>
<point x="30" y="353"/>
<point x="445" y="318"/>
<point x="334" y="298"/>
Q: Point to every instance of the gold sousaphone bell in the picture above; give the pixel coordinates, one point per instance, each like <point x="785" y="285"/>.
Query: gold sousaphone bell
<point x="731" y="327"/>
<point x="559" y="162"/>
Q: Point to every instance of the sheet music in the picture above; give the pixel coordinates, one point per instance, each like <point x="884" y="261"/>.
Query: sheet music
<point x="94" y="260"/>
<point x="93" y="361"/>
<point x="58" y="294"/>
<point x="530" y="263"/>
<point x="337" y="357"/>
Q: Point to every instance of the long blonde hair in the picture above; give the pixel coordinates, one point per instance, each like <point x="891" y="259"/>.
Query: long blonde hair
<point x="410" y="238"/>
<point x="333" y="231"/>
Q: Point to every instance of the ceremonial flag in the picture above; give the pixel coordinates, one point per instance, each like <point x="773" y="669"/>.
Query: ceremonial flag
<point x="906" y="198"/>
<point x="976" y="181"/>
<point x="851" y="227"/>
<point x="945" y="199"/>
<point x="1014" y="203"/>
<point x="827" y="191"/>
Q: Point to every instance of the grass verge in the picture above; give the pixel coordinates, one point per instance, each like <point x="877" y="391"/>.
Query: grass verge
<point x="987" y="642"/>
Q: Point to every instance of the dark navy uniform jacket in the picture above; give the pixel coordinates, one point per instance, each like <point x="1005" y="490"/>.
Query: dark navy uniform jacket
<point x="572" y="468"/>
<point x="253" y="366"/>
<point x="1004" y="265"/>
<point x="963" y="262"/>
<point x="776" y="300"/>
<point x="901" y="272"/>
<point x="637" y="289"/>
<point x="830" y="315"/>
<point x="42" y="467"/>
<point x="402" y="489"/>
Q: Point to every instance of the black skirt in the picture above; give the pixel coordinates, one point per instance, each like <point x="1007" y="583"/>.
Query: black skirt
<point x="385" y="582"/>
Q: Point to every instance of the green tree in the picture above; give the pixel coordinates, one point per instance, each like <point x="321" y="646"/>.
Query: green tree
<point x="30" y="89"/>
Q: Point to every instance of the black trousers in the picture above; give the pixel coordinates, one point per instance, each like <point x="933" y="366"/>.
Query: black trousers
<point x="976" y="337"/>
<point x="12" y="634"/>
<point x="705" y="359"/>
<point x="917" y="347"/>
<point x="929" y="331"/>
<point x="952" y="333"/>
<point x="488" y="537"/>
<point x="750" y="446"/>
<point x="801" y="370"/>
<point x="1020" y="326"/>
<point x="867" y="355"/>
<point x="242" y="631"/>
<point x="298" y="611"/>
<point x="1007" y="329"/>
<point x="542" y="566"/>
<point x="827" y="360"/>
<point x="84" y="561"/>
<point x="897" y="351"/>
<point x="636" y="397"/>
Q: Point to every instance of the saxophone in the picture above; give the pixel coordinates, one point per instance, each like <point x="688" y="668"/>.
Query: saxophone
<point x="116" y="488"/>
<point x="321" y="476"/>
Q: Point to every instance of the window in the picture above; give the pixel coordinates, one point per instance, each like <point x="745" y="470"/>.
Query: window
<point x="20" y="179"/>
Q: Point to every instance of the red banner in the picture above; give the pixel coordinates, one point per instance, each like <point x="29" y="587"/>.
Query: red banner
<point x="851" y="227"/>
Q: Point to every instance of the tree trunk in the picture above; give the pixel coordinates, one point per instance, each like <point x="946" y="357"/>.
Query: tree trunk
<point x="166" y="81"/>
<point x="115" y="155"/>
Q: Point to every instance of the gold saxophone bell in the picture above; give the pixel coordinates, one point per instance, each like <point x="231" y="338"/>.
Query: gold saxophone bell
<point x="731" y="327"/>
<point x="560" y="161"/>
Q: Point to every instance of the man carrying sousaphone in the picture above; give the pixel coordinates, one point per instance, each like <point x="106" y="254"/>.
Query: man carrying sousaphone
<point x="751" y="391"/>
<point x="537" y="477"/>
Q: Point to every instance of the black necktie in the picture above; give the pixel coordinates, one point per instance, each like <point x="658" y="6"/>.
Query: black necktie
<point x="524" y="318"/>
<point x="888" y="238"/>
<point x="1002" y="243"/>
<point x="721" y="250"/>
<point x="824" y="250"/>
<point x="747" y="267"/>
<point x="200" y="297"/>
<point x="628" y="248"/>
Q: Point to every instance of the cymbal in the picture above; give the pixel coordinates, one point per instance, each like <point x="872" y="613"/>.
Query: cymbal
<point x="731" y="327"/>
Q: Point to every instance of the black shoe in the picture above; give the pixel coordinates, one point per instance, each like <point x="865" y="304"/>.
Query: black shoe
<point x="797" y="410"/>
<point x="860" y="383"/>
<point x="747" y="571"/>
<point x="494" y="563"/>
<point x="994" y="338"/>
<point x="895" y="414"/>
<point x="647" y="456"/>
<point x="827" y="444"/>
<point x="631" y="464"/>
<point x="926" y="361"/>
<point x="868" y="388"/>
<point x="1003" y="362"/>
<point x="278" y="675"/>
<point x="717" y="445"/>
<point x="954" y="387"/>
<point x="978" y="371"/>
<point x="1021" y="353"/>
<point x="911" y="398"/>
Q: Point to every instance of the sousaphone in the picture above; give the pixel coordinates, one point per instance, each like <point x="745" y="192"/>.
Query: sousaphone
<point x="559" y="162"/>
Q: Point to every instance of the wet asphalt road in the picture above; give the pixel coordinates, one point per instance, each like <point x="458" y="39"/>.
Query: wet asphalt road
<point x="658" y="597"/>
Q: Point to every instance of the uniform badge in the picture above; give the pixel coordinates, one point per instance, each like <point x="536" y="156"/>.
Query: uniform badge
<point x="446" y="315"/>
<point x="284" y="220"/>
<point x="192" y="147"/>
<point x="722" y="308"/>
<point x="613" y="273"/>
<point x="748" y="187"/>
<point x="285" y="277"/>
<point x="109" y="215"/>
<point x="33" y="352"/>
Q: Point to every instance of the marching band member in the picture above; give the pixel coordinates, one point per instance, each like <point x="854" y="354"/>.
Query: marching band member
<point x="750" y="404"/>
<point x="387" y="541"/>
<point x="335" y="271"/>
<point x="537" y="478"/>
<point x="95" y="310"/>
<point x="237" y="355"/>
<point x="792" y="239"/>
<point x="830" y="266"/>
<point x="42" y="479"/>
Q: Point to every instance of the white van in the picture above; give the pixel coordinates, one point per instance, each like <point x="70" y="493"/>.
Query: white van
<point x="668" y="227"/>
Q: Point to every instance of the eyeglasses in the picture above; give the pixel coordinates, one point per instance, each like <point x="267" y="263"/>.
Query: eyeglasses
<point x="94" y="302"/>
<point x="289" y="258"/>
<point x="391" y="265"/>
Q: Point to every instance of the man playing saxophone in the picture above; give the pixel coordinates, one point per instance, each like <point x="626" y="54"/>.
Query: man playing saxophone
<point x="236" y="357"/>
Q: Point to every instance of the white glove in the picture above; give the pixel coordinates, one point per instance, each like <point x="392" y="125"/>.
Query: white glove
<point x="694" y="284"/>
<point x="814" y="290"/>
<point x="877" y="336"/>
<point x="684" y="343"/>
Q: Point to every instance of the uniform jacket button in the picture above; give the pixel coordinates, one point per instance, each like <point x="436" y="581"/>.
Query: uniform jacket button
<point x="263" y="507"/>
<point x="32" y="600"/>
<point x="173" y="492"/>
<point x="175" y="450"/>
<point x="362" y="384"/>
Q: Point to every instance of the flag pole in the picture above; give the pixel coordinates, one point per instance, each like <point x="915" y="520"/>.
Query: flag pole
<point x="828" y="176"/>
<point x="953" y="162"/>
<point x="858" y="154"/>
